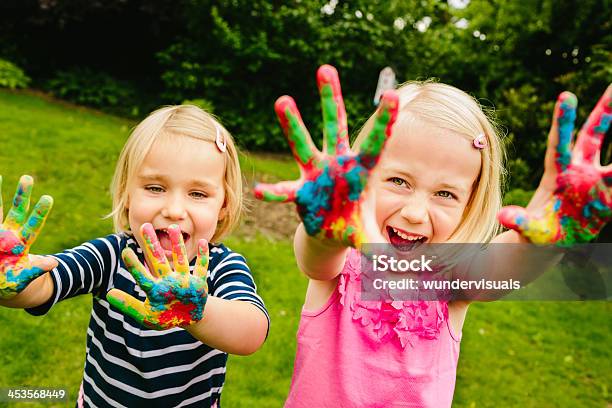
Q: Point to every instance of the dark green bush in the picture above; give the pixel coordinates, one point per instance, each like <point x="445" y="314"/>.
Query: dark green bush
<point x="97" y="89"/>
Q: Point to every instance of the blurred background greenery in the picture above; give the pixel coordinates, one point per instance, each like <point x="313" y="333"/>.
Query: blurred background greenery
<point x="234" y="58"/>
<point x="128" y="57"/>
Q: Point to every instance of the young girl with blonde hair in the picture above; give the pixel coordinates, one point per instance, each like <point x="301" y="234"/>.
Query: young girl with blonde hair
<point x="163" y="335"/>
<point x="438" y="180"/>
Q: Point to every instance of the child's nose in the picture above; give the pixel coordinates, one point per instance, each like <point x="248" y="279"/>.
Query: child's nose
<point x="174" y="209"/>
<point x="415" y="211"/>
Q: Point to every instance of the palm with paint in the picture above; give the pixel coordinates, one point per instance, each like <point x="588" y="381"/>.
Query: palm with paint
<point x="17" y="234"/>
<point x="574" y="199"/>
<point x="175" y="297"/>
<point x="328" y="192"/>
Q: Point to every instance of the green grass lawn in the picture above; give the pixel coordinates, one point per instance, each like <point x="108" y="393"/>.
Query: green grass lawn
<point x="526" y="354"/>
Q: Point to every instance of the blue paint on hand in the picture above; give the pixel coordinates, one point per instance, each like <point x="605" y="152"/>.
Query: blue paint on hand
<point x="312" y="198"/>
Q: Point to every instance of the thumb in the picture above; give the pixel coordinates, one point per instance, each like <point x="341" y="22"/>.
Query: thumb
<point x="46" y="263"/>
<point x="513" y="217"/>
<point x="542" y="229"/>
<point x="128" y="305"/>
<point x="283" y="192"/>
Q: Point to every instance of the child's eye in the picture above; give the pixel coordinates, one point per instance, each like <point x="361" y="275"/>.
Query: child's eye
<point x="198" y="195"/>
<point x="446" y="194"/>
<point x="154" y="189"/>
<point x="397" y="181"/>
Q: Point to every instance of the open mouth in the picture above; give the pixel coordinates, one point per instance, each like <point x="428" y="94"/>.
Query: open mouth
<point x="405" y="241"/>
<point x="166" y="243"/>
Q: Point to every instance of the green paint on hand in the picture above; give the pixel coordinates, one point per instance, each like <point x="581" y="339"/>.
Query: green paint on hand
<point x="298" y="138"/>
<point x="330" y="118"/>
<point x="268" y="196"/>
<point x="376" y="139"/>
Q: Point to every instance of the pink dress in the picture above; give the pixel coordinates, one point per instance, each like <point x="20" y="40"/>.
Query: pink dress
<point x="354" y="353"/>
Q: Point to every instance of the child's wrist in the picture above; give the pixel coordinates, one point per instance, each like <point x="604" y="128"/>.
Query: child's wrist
<point x="322" y="242"/>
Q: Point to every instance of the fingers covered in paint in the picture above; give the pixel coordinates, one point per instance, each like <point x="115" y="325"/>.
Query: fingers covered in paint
<point x="335" y="128"/>
<point x="175" y="298"/>
<point x="17" y="234"/>
<point x="21" y="203"/>
<point x="590" y="138"/>
<point x="560" y="137"/>
<point x="385" y="119"/>
<point x="201" y="265"/>
<point x="140" y="273"/>
<point x="297" y="135"/>
<point x="282" y="192"/>
<point x="179" y="253"/>
<point x="128" y="305"/>
<point x="155" y="253"/>
<point x="36" y="221"/>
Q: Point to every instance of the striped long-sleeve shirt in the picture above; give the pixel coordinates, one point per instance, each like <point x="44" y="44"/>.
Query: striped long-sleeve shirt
<point x="127" y="364"/>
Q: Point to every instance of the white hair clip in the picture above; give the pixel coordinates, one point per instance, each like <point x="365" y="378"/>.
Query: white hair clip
<point x="221" y="144"/>
<point x="480" y="141"/>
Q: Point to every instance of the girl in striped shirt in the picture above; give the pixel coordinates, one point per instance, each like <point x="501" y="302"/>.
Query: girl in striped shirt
<point x="169" y="301"/>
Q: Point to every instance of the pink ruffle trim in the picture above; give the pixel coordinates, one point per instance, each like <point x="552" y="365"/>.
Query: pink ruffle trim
<point x="386" y="320"/>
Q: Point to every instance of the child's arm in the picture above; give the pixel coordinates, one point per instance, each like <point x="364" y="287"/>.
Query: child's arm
<point x="23" y="281"/>
<point x="328" y="194"/>
<point x="572" y="203"/>
<point x="319" y="259"/>
<point x="177" y="298"/>
<point x="232" y="326"/>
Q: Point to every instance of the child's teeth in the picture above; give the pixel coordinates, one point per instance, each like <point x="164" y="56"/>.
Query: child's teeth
<point x="406" y="236"/>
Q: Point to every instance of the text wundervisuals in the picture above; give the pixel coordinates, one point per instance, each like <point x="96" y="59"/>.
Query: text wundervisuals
<point x="455" y="284"/>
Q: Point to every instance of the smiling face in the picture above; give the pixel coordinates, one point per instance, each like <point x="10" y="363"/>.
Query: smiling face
<point x="423" y="184"/>
<point x="179" y="182"/>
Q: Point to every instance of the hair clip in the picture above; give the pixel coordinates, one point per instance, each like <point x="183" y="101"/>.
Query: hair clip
<point x="480" y="141"/>
<point x="221" y="144"/>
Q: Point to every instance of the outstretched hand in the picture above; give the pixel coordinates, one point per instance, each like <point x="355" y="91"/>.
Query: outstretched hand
<point x="175" y="298"/>
<point x="17" y="234"/>
<point x="328" y="193"/>
<point x="574" y="199"/>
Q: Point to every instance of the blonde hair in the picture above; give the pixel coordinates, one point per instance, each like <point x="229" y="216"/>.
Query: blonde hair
<point x="164" y="124"/>
<point x="447" y="107"/>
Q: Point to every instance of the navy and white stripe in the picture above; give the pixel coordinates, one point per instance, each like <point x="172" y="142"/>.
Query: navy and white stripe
<point x="128" y="365"/>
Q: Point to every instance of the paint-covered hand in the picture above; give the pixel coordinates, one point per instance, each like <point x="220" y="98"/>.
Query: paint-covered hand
<point x="17" y="234"/>
<point x="574" y="199"/>
<point x="175" y="297"/>
<point x="328" y="193"/>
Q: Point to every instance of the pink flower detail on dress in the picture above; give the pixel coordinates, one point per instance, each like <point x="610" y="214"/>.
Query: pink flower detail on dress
<point x="385" y="319"/>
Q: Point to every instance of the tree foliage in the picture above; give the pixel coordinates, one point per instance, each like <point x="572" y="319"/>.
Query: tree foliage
<point x="238" y="56"/>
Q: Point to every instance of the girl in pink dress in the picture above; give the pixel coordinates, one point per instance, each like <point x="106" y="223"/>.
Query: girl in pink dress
<point x="436" y="181"/>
